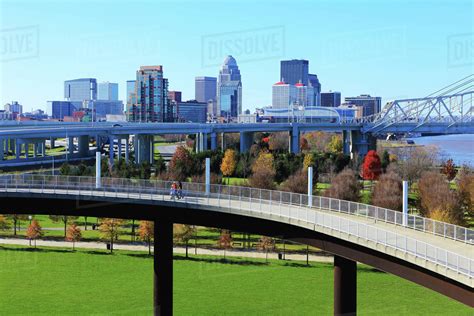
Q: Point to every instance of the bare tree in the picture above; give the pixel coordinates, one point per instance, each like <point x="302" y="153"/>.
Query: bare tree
<point x="413" y="161"/>
<point x="225" y="240"/>
<point x="297" y="182"/>
<point x="267" y="244"/>
<point x="344" y="186"/>
<point x="388" y="191"/>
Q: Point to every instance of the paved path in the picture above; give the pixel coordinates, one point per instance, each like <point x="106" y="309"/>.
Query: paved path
<point x="180" y="250"/>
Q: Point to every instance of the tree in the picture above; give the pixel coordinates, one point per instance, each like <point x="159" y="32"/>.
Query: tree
<point x="344" y="186"/>
<point x="73" y="234"/>
<point x="64" y="219"/>
<point x="465" y="183"/>
<point x="146" y="232"/>
<point x="388" y="191"/>
<point x="385" y="160"/>
<point x="438" y="200"/>
<point x="267" y="244"/>
<point x="297" y="182"/>
<point x="65" y="169"/>
<point x="34" y="231"/>
<point x="309" y="160"/>
<point x="413" y="161"/>
<point x="229" y="163"/>
<point x="371" y="167"/>
<point x="278" y="142"/>
<point x="16" y="218"/>
<point x="4" y="223"/>
<point x="110" y="229"/>
<point x="225" y="240"/>
<point x="448" y="168"/>
<point x="263" y="172"/>
<point x="181" y="164"/>
<point x="183" y="233"/>
<point x="304" y="145"/>
<point x="335" y="145"/>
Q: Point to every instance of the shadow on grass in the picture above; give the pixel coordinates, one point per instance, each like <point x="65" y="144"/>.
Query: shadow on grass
<point x="299" y="265"/>
<point x="221" y="260"/>
<point x="33" y="249"/>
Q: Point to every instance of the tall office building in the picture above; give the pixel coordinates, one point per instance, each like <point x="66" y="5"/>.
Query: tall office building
<point x="174" y="96"/>
<point x="229" y="89"/>
<point x="283" y="95"/>
<point x="151" y="102"/>
<point x="370" y="105"/>
<point x="130" y="89"/>
<point x="331" y="99"/>
<point x="80" y="89"/>
<point x="192" y="111"/>
<point x="205" y="88"/>
<point x="107" y="91"/>
<point x="294" y="71"/>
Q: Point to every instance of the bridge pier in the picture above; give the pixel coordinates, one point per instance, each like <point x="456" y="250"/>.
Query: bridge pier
<point x="2" y="148"/>
<point x="143" y="148"/>
<point x="70" y="145"/>
<point x="358" y="143"/>
<point x="111" y="150"/>
<point x="345" y="286"/>
<point x="246" y="140"/>
<point x="163" y="268"/>
<point x="83" y="145"/>
<point x="213" y="141"/>
<point x="294" y="139"/>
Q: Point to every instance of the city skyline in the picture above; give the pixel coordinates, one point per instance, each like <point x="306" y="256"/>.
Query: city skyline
<point x="376" y="57"/>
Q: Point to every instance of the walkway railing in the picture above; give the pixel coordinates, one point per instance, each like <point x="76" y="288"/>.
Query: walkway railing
<point x="376" y="213"/>
<point x="277" y="205"/>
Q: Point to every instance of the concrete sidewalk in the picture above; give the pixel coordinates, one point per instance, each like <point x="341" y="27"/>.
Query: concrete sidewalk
<point x="178" y="250"/>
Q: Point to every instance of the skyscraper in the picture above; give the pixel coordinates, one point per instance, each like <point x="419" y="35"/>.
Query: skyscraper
<point x="331" y="99"/>
<point x="229" y="89"/>
<point x="313" y="82"/>
<point x="80" y="89"/>
<point x="370" y="105"/>
<point x="174" y="96"/>
<point x="107" y="91"/>
<point x="294" y="71"/>
<point x="151" y="93"/>
<point x="130" y="89"/>
<point x="205" y="88"/>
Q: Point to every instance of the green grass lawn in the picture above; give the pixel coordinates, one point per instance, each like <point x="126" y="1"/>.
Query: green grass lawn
<point x="57" y="281"/>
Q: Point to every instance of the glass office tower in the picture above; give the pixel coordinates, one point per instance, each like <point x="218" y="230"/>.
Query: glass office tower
<point x="107" y="91"/>
<point x="294" y="71"/>
<point x="80" y="89"/>
<point x="229" y="89"/>
<point x="205" y="88"/>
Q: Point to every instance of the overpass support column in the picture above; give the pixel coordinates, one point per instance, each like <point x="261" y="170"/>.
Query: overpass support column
<point x="70" y="145"/>
<point x="246" y="140"/>
<point x="361" y="143"/>
<point x="2" y="148"/>
<point x="345" y="286"/>
<point x="295" y="140"/>
<point x="204" y="141"/>
<point x="213" y="141"/>
<point x="12" y="144"/>
<point x="111" y="150"/>
<point x="143" y="149"/>
<point x="152" y="149"/>
<point x="83" y="145"/>
<point x="163" y="268"/>
<point x="346" y="142"/>
<point x="197" y="143"/>
<point x="51" y="143"/>
<point x="127" y="150"/>
<point x="17" y="148"/>
<point x="119" y="149"/>
<point x="98" y="144"/>
<point x="35" y="149"/>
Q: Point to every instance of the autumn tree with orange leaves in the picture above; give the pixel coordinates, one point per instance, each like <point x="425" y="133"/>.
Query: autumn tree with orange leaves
<point x="146" y="232"/>
<point x="110" y="230"/>
<point x="225" y="240"/>
<point x="73" y="234"/>
<point x="34" y="231"/>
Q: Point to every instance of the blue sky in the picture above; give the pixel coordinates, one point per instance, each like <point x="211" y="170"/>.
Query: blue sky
<point x="393" y="49"/>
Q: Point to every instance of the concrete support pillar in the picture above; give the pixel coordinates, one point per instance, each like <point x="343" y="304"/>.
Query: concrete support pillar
<point x="51" y="143"/>
<point x="98" y="143"/>
<point x="223" y="141"/>
<point x="98" y="169"/>
<point x="197" y="143"/>
<point x="152" y="149"/>
<point x="127" y="150"/>
<point x="13" y="144"/>
<point x="345" y="286"/>
<point x="43" y="148"/>
<point x="119" y="148"/>
<point x="6" y="142"/>
<point x="295" y="140"/>
<point x="246" y="140"/>
<point x="143" y="150"/>
<point x="361" y="143"/>
<point x="204" y="141"/>
<point x="2" y="148"/>
<point x="70" y="145"/>
<point x="83" y="145"/>
<point x="35" y="149"/>
<point x="17" y="148"/>
<point x="27" y="149"/>
<point x="213" y="141"/>
<point x="163" y="268"/>
<point x="347" y="142"/>
<point x="111" y="150"/>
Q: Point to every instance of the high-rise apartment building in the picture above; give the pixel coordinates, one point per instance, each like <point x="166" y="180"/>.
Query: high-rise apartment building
<point x="174" y="96"/>
<point x="229" y="89"/>
<point x="205" y="88"/>
<point x="370" y="105"/>
<point x="80" y="89"/>
<point x="331" y="99"/>
<point x="151" y="102"/>
<point x="107" y="91"/>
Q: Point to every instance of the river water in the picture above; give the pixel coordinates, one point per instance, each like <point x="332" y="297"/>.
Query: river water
<point x="460" y="148"/>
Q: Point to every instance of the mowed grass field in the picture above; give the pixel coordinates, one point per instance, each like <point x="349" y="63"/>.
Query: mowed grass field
<point x="56" y="281"/>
